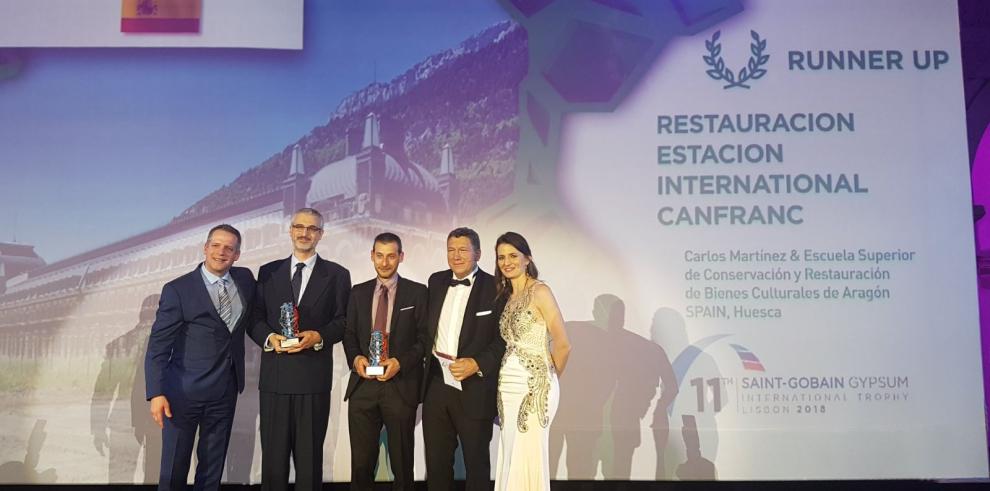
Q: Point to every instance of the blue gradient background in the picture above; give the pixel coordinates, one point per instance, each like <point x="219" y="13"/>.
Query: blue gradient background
<point x="148" y="132"/>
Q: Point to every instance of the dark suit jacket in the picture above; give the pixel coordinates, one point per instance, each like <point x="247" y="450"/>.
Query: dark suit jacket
<point x="406" y="340"/>
<point x="190" y="349"/>
<point x="480" y="339"/>
<point x="322" y="308"/>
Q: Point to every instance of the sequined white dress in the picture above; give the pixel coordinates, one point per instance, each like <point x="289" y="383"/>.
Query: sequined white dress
<point x="528" y="394"/>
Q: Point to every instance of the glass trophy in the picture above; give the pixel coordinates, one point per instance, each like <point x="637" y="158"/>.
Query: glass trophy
<point x="378" y="348"/>
<point x="288" y="319"/>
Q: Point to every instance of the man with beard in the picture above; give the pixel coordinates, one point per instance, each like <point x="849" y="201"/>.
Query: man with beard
<point x="296" y="371"/>
<point x="392" y="309"/>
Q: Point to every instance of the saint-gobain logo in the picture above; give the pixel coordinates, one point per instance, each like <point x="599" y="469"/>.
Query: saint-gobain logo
<point x="753" y="70"/>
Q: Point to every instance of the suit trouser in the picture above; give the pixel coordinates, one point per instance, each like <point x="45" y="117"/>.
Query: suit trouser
<point x="213" y="419"/>
<point x="444" y="422"/>
<point x="372" y="405"/>
<point x="296" y="425"/>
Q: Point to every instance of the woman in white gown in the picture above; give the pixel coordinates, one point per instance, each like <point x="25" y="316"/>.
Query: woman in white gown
<point x="536" y="350"/>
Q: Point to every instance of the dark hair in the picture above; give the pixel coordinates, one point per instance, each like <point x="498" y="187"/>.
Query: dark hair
<point x="226" y="228"/>
<point x="466" y="232"/>
<point x="387" y="238"/>
<point x="503" y="286"/>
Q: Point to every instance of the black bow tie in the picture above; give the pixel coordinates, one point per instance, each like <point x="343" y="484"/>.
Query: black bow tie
<point x="465" y="282"/>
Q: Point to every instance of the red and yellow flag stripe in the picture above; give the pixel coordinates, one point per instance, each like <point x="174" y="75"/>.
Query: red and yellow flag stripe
<point x="137" y="16"/>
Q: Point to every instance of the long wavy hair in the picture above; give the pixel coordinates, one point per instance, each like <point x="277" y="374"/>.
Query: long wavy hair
<point x="503" y="286"/>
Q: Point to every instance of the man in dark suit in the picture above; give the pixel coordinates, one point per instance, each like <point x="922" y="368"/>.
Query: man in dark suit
<point x="464" y="336"/>
<point x="194" y="366"/>
<point x="296" y="373"/>
<point x="395" y="307"/>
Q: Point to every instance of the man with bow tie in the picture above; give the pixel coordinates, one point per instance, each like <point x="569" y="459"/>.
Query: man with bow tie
<point x="464" y="340"/>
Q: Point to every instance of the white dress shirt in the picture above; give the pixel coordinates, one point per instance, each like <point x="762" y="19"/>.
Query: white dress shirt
<point x="306" y="272"/>
<point x="452" y="316"/>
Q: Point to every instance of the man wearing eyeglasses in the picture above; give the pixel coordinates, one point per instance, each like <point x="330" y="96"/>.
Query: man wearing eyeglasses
<point x="296" y="370"/>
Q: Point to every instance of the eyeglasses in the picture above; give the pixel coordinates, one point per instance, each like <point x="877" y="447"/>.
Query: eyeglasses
<point x="303" y="228"/>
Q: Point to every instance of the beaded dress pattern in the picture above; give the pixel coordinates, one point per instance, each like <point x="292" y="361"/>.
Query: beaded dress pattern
<point x="528" y="395"/>
<point x="527" y="338"/>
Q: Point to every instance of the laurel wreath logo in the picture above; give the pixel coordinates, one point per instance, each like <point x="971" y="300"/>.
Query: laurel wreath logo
<point x="752" y="71"/>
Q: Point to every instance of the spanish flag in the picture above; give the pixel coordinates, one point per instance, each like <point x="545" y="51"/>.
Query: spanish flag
<point x="137" y="16"/>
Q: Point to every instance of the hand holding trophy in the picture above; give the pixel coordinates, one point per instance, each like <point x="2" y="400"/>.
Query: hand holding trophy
<point x="378" y="348"/>
<point x="288" y="319"/>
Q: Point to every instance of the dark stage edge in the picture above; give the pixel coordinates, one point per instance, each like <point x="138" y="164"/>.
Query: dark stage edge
<point x="873" y="485"/>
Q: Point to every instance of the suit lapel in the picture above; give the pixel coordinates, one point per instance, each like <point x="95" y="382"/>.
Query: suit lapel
<point x="470" y="309"/>
<point x="283" y="282"/>
<point x="438" y="293"/>
<point x="398" y="304"/>
<point x="242" y="292"/>
<point x="318" y="282"/>
<point x="363" y="300"/>
<point x="203" y="295"/>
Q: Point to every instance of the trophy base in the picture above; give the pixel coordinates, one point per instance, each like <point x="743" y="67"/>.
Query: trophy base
<point x="375" y="371"/>
<point x="289" y="342"/>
